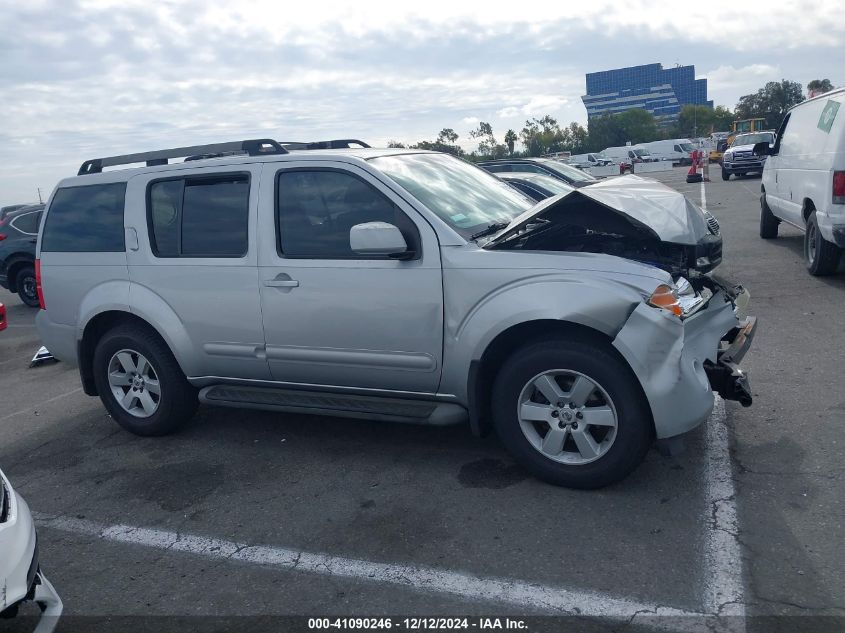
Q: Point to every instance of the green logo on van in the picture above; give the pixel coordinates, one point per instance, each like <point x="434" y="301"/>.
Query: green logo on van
<point x="828" y="115"/>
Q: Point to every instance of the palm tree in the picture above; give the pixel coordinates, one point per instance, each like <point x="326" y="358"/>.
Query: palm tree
<point x="510" y="139"/>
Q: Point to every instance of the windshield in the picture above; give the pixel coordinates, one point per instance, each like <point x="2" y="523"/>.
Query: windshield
<point x="466" y="197"/>
<point x="570" y="173"/>
<point x="641" y="152"/>
<point x="687" y="147"/>
<point x="553" y="185"/>
<point x="751" y="139"/>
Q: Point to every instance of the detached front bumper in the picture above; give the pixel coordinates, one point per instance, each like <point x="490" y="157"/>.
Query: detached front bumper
<point x="680" y="363"/>
<point x="725" y="375"/>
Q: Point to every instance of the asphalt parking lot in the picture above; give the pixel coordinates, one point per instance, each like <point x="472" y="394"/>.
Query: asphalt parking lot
<point x="252" y="513"/>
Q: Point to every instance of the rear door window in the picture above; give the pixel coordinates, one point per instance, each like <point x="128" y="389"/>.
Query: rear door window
<point x="204" y="216"/>
<point x="87" y="219"/>
<point x="27" y="222"/>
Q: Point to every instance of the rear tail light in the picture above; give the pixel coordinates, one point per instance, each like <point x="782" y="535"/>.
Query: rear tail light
<point x="839" y="187"/>
<point x="41" y="303"/>
<point x="2" y="327"/>
<point x="2" y="236"/>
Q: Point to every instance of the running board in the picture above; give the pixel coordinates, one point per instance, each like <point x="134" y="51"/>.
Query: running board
<point x="334" y="404"/>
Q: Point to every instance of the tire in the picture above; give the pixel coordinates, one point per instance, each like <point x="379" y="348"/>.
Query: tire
<point x="114" y="355"/>
<point x="27" y="288"/>
<point x="726" y="175"/>
<point x="768" y="222"/>
<point x="617" y="450"/>
<point x="822" y="256"/>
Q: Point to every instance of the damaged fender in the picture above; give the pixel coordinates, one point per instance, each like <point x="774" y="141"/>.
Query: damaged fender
<point x="668" y="356"/>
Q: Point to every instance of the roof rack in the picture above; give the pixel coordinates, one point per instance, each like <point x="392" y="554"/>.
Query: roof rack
<point x="340" y="143"/>
<point x="252" y="147"/>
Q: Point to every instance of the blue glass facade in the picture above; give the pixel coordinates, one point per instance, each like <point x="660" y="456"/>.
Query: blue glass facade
<point x="661" y="91"/>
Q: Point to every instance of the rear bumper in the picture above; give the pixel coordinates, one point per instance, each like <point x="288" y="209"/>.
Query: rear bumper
<point x="59" y="339"/>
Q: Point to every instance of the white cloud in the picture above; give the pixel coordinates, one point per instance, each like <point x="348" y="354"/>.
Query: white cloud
<point x="470" y="120"/>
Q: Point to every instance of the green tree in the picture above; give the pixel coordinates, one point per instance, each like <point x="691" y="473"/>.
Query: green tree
<point x="819" y="86"/>
<point x="612" y="130"/>
<point x="694" y="121"/>
<point x="447" y="136"/>
<point x="722" y="119"/>
<point x="396" y="144"/>
<point x="577" y="138"/>
<point x="770" y="102"/>
<point x="486" y="140"/>
<point x="542" y="136"/>
<point x="510" y="139"/>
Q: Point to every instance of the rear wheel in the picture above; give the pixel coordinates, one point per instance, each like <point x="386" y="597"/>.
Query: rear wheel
<point x="571" y="413"/>
<point x="27" y="287"/>
<point x="726" y="175"/>
<point x="822" y="256"/>
<point x="768" y="222"/>
<point x="140" y="382"/>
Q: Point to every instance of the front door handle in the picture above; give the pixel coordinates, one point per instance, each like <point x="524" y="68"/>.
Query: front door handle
<point x="282" y="280"/>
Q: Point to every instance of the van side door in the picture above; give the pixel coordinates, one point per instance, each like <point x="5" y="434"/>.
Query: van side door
<point x="335" y="318"/>
<point x="195" y="262"/>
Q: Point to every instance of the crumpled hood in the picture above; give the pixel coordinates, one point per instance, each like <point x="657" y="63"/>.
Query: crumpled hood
<point x="662" y="211"/>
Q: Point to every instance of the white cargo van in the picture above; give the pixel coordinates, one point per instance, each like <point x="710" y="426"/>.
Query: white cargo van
<point x="593" y="159"/>
<point x="675" y="149"/>
<point x="628" y="154"/>
<point x="804" y="179"/>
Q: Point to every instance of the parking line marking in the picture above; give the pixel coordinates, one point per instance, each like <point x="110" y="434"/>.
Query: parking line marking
<point x="41" y="404"/>
<point x="551" y="599"/>
<point x="724" y="590"/>
<point x="703" y="196"/>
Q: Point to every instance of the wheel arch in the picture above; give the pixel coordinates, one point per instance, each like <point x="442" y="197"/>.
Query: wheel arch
<point x="483" y="371"/>
<point x="807" y="207"/>
<point x="102" y="322"/>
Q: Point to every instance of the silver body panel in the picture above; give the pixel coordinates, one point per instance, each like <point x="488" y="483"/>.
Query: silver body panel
<point x="386" y="327"/>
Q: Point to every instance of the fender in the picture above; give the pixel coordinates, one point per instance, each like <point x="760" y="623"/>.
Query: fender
<point x="593" y="302"/>
<point x="149" y="306"/>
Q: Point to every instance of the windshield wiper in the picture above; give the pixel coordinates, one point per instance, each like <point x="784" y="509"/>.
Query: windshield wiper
<point x="491" y="228"/>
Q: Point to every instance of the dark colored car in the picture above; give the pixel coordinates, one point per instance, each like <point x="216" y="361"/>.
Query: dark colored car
<point x="18" y="235"/>
<point x="547" y="166"/>
<point x="535" y="186"/>
<point x="4" y="211"/>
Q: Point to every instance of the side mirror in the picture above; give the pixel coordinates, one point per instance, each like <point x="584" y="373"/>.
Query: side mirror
<point x="378" y="238"/>
<point x="761" y="149"/>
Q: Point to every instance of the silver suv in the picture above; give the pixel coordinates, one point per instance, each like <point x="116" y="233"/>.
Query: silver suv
<point x="394" y="285"/>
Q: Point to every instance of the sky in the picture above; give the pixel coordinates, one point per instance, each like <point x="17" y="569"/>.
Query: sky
<point x="81" y="79"/>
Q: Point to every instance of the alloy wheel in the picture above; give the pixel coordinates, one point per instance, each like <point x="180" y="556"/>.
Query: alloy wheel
<point x="134" y="383"/>
<point x="567" y="416"/>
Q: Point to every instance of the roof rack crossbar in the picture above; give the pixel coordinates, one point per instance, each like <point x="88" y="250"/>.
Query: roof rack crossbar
<point x="338" y="143"/>
<point x="252" y="147"/>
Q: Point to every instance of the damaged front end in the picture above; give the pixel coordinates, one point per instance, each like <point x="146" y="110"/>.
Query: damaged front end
<point x="629" y="217"/>
<point x="682" y="357"/>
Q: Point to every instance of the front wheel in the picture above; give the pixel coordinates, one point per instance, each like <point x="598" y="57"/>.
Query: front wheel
<point x="571" y="413"/>
<point x="140" y="382"/>
<point x="822" y="256"/>
<point x="27" y="286"/>
<point x="768" y="221"/>
<point x="726" y="175"/>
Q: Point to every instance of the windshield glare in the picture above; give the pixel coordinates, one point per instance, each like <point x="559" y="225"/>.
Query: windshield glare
<point x="687" y="147"/>
<point x="464" y="196"/>
<point x="751" y="139"/>
<point x="641" y="152"/>
<point x="572" y="174"/>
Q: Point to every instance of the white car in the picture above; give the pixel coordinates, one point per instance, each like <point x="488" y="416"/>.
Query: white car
<point x="21" y="579"/>
<point x="804" y="179"/>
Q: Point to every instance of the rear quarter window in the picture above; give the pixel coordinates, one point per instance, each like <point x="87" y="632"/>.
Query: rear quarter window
<point x="87" y="219"/>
